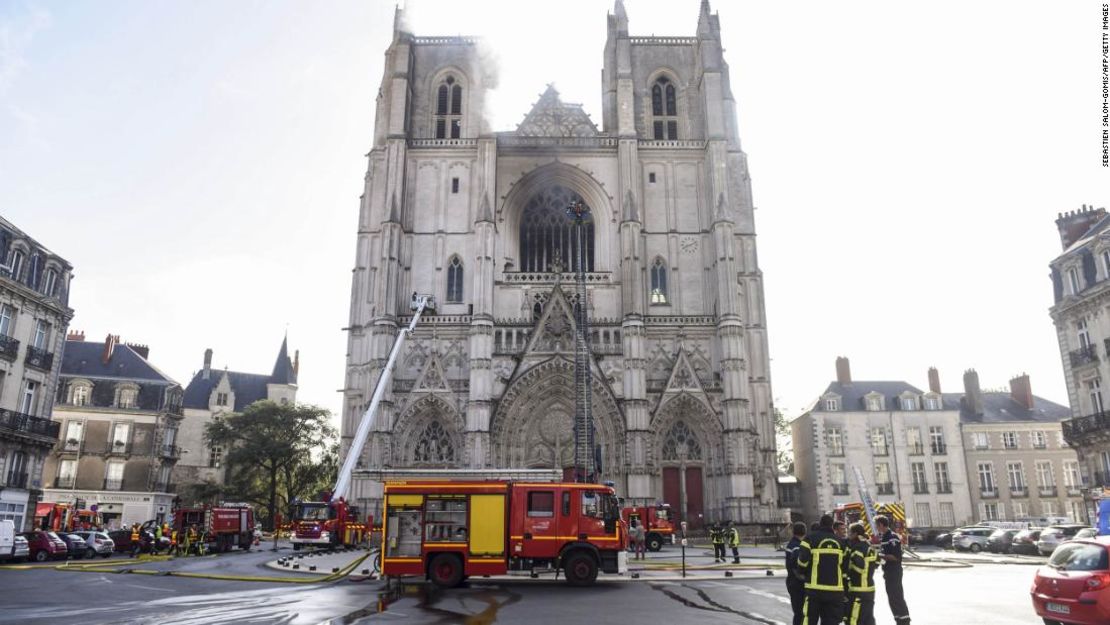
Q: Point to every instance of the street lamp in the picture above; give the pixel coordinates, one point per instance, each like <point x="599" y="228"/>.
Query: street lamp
<point x="579" y="213"/>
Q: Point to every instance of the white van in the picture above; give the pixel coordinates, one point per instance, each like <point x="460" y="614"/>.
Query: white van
<point x="7" y="539"/>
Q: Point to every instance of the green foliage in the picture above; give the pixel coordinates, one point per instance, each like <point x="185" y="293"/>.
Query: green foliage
<point x="784" y="443"/>
<point x="275" y="453"/>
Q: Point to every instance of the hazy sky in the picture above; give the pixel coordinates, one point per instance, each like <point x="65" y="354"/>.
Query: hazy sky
<point x="200" y="162"/>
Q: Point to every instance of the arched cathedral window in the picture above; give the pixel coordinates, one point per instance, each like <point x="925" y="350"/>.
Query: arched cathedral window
<point x="434" y="445"/>
<point x="448" y="118"/>
<point x="664" y="109"/>
<point x="547" y="235"/>
<point x="680" y="443"/>
<point x="455" y="280"/>
<point x="659" y="281"/>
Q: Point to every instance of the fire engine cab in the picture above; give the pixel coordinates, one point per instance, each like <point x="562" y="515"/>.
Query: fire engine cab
<point x="656" y="520"/>
<point x="448" y="530"/>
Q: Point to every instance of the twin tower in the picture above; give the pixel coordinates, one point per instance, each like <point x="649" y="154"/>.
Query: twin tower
<point x="681" y="385"/>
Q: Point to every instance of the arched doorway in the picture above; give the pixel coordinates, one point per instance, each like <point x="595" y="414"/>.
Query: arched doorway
<point x="688" y="440"/>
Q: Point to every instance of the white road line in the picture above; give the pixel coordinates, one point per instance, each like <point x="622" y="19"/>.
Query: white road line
<point x="764" y="593"/>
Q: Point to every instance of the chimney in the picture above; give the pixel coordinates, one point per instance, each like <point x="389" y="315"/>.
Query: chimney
<point x="207" y="364"/>
<point x="843" y="371"/>
<point x="296" y="363"/>
<point x="142" y="350"/>
<point x="1021" y="391"/>
<point x="1072" y="225"/>
<point x="973" y="397"/>
<point x="75" y="335"/>
<point x="934" y="380"/>
<point x="109" y="347"/>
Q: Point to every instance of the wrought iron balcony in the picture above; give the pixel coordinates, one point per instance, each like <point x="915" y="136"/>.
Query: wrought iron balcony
<point x="39" y="358"/>
<point x="1076" y="429"/>
<point x="1047" y="491"/>
<point x="9" y="347"/>
<point x="16" y="480"/>
<point x="1084" y="356"/>
<point x="840" y="489"/>
<point x="1019" y="491"/>
<point x="65" y="482"/>
<point x="26" y="424"/>
<point x="988" y="493"/>
<point x="884" y="488"/>
<point x="113" y="484"/>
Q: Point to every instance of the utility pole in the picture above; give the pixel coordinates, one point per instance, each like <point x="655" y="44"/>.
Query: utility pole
<point x="583" y="406"/>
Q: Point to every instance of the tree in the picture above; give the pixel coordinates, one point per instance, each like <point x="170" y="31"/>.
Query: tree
<point x="785" y="443"/>
<point x="271" y="451"/>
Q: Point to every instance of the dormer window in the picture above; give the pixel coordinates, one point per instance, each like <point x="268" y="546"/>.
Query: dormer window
<point x="126" y="396"/>
<point x="17" y="264"/>
<point x="1073" y="280"/>
<point x="79" y="394"/>
<point x="909" y="403"/>
<point x="50" y="283"/>
<point x="221" y="399"/>
<point x="873" y="403"/>
<point x="1106" y="263"/>
<point x="664" y="110"/>
<point x="832" y="404"/>
<point x="448" y="118"/>
<point x="932" y="402"/>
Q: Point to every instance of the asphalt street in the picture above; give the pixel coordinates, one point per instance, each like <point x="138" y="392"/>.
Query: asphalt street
<point x="985" y="592"/>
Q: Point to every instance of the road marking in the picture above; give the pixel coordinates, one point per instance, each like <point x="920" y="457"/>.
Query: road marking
<point x="764" y="593"/>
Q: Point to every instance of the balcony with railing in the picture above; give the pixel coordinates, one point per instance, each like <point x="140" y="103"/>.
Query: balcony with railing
<point x="65" y="481"/>
<point x="1083" y="356"/>
<point x="988" y="493"/>
<point x="16" y="480"/>
<point x="840" y="489"/>
<point x="1080" y="428"/>
<point x="1046" y="491"/>
<point x="19" y="423"/>
<point x="885" y="488"/>
<point x="920" y="488"/>
<point x="113" y="484"/>
<point x="9" y="347"/>
<point x="1019" y="491"/>
<point x="72" y="445"/>
<point x="39" y="358"/>
<point x="117" y="447"/>
<point x="939" y="449"/>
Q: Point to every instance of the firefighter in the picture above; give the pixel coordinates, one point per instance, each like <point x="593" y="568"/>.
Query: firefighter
<point x="862" y="562"/>
<point x="135" y="545"/>
<point x="795" y="580"/>
<point x="190" y="539"/>
<point x="173" y="543"/>
<point x="733" y="534"/>
<point x="891" y="546"/>
<point x="717" y="536"/>
<point x="821" y="559"/>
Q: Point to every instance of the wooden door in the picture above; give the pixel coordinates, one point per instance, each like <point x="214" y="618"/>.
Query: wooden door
<point x="695" y="503"/>
<point x="672" y="490"/>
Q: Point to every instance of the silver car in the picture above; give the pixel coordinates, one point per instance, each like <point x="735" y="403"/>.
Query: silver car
<point x="973" y="539"/>
<point x="97" y="544"/>
<point x="1053" y="535"/>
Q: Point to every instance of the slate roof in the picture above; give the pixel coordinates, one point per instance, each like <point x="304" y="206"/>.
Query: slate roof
<point x="82" y="359"/>
<point x="852" y="394"/>
<point x="999" y="407"/>
<point x="248" y="387"/>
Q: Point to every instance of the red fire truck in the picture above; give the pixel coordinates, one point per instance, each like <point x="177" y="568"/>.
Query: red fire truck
<point x="64" y="517"/>
<point x="656" y="521"/>
<point x="326" y="523"/>
<point x="446" y="530"/>
<point x="896" y="512"/>
<point x="223" y="527"/>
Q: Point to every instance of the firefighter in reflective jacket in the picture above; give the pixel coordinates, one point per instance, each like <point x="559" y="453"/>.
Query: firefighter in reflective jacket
<point x="862" y="562"/>
<point x="734" y="542"/>
<point x="822" y="562"/>
<point x="135" y="546"/>
<point x="717" y="536"/>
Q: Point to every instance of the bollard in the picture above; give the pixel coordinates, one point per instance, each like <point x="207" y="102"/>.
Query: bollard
<point x="312" y="568"/>
<point x="296" y="566"/>
<point x="335" y="569"/>
<point x="770" y="573"/>
<point x="365" y="571"/>
<point x="728" y="573"/>
<point x="635" y="576"/>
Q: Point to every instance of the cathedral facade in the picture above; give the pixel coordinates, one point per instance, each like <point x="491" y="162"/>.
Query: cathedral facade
<point x="681" y="394"/>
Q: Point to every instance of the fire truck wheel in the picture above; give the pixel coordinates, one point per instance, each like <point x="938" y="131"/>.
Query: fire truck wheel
<point x="580" y="569"/>
<point x="445" y="570"/>
<point x="654" y="542"/>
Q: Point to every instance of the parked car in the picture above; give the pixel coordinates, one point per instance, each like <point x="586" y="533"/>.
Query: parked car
<point x="944" y="541"/>
<point x="1075" y="584"/>
<point x="97" y="544"/>
<point x="1085" y="533"/>
<point x="13" y="547"/>
<point x="75" y="545"/>
<point x="1001" y="541"/>
<point x="916" y="536"/>
<point x="121" y="540"/>
<point x="973" y="539"/>
<point x="1025" y="541"/>
<point x="45" y="546"/>
<point x="1053" y="535"/>
<point x="21" y="552"/>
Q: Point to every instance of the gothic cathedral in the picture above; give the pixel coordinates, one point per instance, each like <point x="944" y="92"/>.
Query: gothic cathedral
<point x="681" y="389"/>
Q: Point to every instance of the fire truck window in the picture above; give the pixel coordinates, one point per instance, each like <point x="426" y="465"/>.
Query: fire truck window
<point x="566" y="503"/>
<point x="541" y="503"/>
<point x="445" y="521"/>
<point x="661" y="514"/>
<point x="590" y="505"/>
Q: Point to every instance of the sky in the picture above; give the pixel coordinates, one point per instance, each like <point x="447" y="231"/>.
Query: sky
<point x="200" y="163"/>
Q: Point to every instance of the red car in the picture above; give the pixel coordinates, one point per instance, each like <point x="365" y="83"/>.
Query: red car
<point x="1074" y="587"/>
<point x="45" y="546"/>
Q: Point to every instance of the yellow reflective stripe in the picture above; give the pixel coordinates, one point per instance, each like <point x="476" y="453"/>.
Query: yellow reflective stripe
<point x="854" y="620"/>
<point x="815" y="586"/>
<point x="861" y="588"/>
<point x="805" y="610"/>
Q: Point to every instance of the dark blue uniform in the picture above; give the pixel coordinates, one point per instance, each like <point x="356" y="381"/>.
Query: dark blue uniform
<point x="794" y="584"/>
<point x="892" y="577"/>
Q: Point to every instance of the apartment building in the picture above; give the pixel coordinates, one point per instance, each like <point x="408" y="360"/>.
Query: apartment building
<point x="34" y="316"/>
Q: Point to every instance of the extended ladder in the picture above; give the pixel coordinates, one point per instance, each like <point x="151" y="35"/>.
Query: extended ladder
<point x="865" y="497"/>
